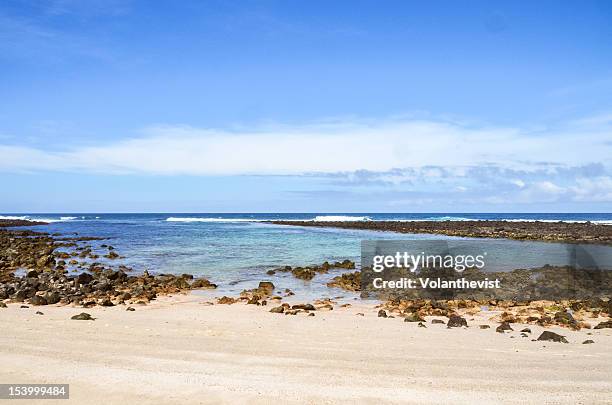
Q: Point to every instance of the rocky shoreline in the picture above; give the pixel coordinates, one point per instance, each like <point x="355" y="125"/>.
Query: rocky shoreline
<point x="570" y="232"/>
<point x="5" y="223"/>
<point x="63" y="270"/>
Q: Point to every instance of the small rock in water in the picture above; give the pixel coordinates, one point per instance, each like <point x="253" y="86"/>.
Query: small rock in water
<point x="39" y="313"/>
<point x="526" y="330"/>
<point x="456" y="321"/>
<point x="602" y="325"/>
<point x="484" y="326"/>
<point x="360" y="314"/>
<point x="311" y="314"/>
<point x="438" y="321"/>
<point x="382" y="313"/>
<point x="83" y="316"/>
<point x="24" y="306"/>
<point x="588" y="342"/>
<point x="2" y="305"/>
<point x="130" y="309"/>
<point x="549" y="336"/>
<point x="524" y="335"/>
<point x="203" y="283"/>
<point x="422" y="325"/>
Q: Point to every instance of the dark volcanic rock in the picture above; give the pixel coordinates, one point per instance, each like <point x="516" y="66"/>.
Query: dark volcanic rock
<point x="226" y="300"/>
<point x="549" y="231"/>
<point x="566" y="319"/>
<point x="278" y="310"/>
<point x="19" y="222"/>
<point x="413" y="318"/>
<point x="84" y="278"/>
<point x="347" y="281"/>
<point x="455" y="321"/>
<point x="266" y="286"/>
<point x="303" y="273"/>
<point x="52" y="298"/>
<point x="604" y="325"/>
<point x="202" y="283"/>
<point x="549" y="336"/>
<point x="83" y="316"/>
<point x="305" y="307"/>
<point x="38" y="300"/>
<point x="48" y="282"/>
<point x="505" y="326"/>
<point x="382" y="313"/>
<point x="111" y="255"/>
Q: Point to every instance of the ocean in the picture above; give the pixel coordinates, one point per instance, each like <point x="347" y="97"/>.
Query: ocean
<point x="235" y="250"/>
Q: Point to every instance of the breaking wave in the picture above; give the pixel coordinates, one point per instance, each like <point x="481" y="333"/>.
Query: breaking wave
<point x="196" y="219"/>
<point x="339" y="218"/>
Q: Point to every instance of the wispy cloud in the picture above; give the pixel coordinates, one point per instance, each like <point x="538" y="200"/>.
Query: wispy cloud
<point x="414" y="159"/>
<point x="332" y="147"/>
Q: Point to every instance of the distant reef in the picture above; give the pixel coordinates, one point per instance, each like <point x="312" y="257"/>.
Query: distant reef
<point x="572" y="232"/>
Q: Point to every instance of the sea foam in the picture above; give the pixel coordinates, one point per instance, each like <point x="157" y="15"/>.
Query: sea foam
<point x="196" y="219"/>
<point x="340" y="218"/>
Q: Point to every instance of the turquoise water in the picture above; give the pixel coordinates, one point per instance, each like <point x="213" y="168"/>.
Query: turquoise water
<point x="235" y="250"/>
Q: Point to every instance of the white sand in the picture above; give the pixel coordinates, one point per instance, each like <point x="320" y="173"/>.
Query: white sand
<point x="180" y="350"/>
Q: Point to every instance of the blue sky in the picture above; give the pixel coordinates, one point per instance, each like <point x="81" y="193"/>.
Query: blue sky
<point x="321" y="106"/>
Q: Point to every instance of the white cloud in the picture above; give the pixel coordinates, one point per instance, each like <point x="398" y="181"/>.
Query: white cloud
<point x="593" y="189"/>
<point x="322" y="148"/>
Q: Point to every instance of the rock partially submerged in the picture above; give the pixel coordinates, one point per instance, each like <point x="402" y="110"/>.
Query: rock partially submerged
<point x="202" y="283"/>
<point x="47" y="281"/>
<point x="347" y="281"/>
<point x="309" y="272"/>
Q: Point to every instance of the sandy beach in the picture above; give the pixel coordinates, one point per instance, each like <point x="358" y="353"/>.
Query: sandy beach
<point x="181" y="349"/>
